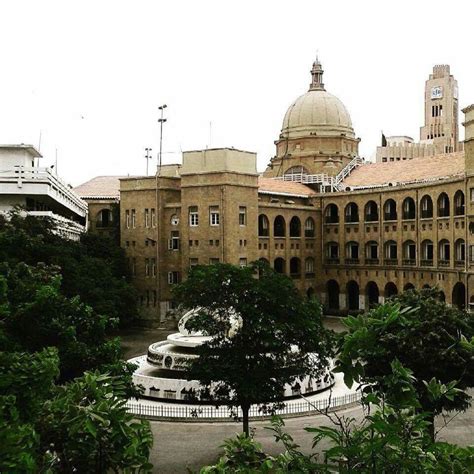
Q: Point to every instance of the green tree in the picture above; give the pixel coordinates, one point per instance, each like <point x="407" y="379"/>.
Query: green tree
<point x="264" y="334"/>
<point x="425" y="335"/>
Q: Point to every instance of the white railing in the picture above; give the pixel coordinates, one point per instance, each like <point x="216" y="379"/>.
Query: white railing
<point x="21" y="175"/>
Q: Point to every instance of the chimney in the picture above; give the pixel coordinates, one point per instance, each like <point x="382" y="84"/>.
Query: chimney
<point x="469" y="139"/>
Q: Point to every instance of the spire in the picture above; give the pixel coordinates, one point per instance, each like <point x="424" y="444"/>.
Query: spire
<point x="317" y="75"/>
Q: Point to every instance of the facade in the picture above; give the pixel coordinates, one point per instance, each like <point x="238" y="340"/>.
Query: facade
<point x="440" y="133"/>
<point x="39" y="191"/>
<point x="349" y="232"/>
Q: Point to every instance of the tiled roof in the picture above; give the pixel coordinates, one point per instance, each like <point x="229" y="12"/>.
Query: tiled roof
<point x="105" y="187"/>
<point x="290" y="188"/>
<point x="407" y="171"/>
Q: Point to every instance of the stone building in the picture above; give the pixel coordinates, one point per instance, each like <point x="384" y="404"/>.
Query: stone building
<point x="348" y="232"/>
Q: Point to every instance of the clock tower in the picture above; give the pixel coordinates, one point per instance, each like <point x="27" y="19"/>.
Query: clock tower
<point x="441" y="111"/>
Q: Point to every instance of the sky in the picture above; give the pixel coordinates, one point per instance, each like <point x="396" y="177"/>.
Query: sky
<point x="83" y="80"/>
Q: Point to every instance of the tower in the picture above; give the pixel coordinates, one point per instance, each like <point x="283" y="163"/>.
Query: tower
<point x="441" y="111"/>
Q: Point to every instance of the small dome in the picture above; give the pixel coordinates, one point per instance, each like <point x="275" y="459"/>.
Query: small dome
<point x="317" y="112"/>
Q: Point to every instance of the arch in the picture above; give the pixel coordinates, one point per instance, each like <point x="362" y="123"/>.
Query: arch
<point x="427" y="253"/>
<point x="296" y="171"/>
<point x="390" y="290"/>
<point x="263" y="226"/>
<point x="371" y="212"/>
<point x="426" y="287"/>
<point x="441" y="296"/>
<point x="310" y="293"/>
<point x="391" y="250"/>
<point x="309" y="227"/>
<point x="351" y="212"/>
<point x="426" y="205"/>
<point x="264" y="260"/>
<point x="459" y="295"/>
<point x="444" y="252"/>
<point x="372" y="294"/>
<point x="331" y="214"/>
<point x="295" y="267"/>
<point x="332" y="251"/>
<point x="443" y="205"/>
<point x="309" y="266"/>
<point x="371" y="251"/>
<point x="295" y="227"/>
<point x="409" y="287"/>
<point x="279" y="265"/>
<point x="390" y="210"/>
<point x="104" y="218"/>
<point x="352" y="250"/>
<point x="352" y="289"/>
<point x="332" y="288"/>
<point x="459" y="203"/>
<point x="409" y="208"/>
<point x="279" y="226"/>
<point x="409" y="252"/>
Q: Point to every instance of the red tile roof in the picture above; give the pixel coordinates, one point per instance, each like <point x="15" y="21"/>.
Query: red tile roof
<point x="407" y="171"/>
<point x="105" y="187"/>
<point x="277" y="186"/>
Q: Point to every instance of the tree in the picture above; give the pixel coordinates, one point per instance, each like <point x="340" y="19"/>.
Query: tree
<point x="425" y="335"/>
<point x="264" y="334"/>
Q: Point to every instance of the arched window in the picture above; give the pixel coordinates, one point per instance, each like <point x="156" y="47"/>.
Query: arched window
<point x="332" y="288"/>
<point x="309" y="266"/>
<point x="352" y="295"/>
<point x="104" y="218"/>
<point x="443" y="205"/>
<point x="390" y="253"/>
<point x="295" y="173"/>
<point x="426" y="204"/>
<point x="295" y="267"/>
<point x="371" y="213"/>
<point x="390" y="290"/>
<point x="351" y="213"/>
<point x="279" y="227"/>
<point x="263" y="226"/>
<point x="309" y="227"/>
<point x="460" y="252"/>
<point x="409" y="208"/>
<point x="427" y="253"/>
<point x="444" y="253"/>
<point x="352" y="252"/>
<point x="371" y="252"/>
<point x="332" y="252"/>
<point x="279" y="265"/>
<point x="372" y="294"/>
<point x="390" y="210"/>
<point x="459" y="207"/>
<point x="409" y="253"/>
<point x="295" y="227"/>
<point x="331" y="214"/>
<point x="459" y="295"/>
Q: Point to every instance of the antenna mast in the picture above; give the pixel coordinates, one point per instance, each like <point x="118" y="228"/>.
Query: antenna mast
<point x="161" y="121"/>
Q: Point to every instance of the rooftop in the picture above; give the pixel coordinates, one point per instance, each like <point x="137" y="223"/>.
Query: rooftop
<point x="100" y="187"/>
<point x="407" y="171"/>
<point x="288" y="188"/>
<point x="29" y="148"/>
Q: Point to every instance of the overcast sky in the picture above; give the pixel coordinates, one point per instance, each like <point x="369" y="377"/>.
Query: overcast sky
<point x="88" y="76"/>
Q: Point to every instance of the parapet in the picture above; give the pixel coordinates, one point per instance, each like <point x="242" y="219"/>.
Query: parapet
<point x="215" y="160"/>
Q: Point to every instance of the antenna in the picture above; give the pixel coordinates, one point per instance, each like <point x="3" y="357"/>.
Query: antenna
<point x="39" y="141"/>
<point x="161" y="121"/>
<point x="56" y="162"/>
<point x="148" y="158"/>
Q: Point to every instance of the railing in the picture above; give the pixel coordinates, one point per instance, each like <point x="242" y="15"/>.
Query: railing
<point x="351" y="261"/>
<point x="351" y="219"/>
<point x="459" y="263"/>
<point x="410" y="262"/>
<point x="210" y="412"/>
<point x="427" y="214"/>
<point x="372" y="218"/>
<point x="426" y="262"/>
<point x="331" y="219"/>
<point x="389" y="217"/>
<point x="459" y="211"/>
<point x="371" y="261"/>
<point x="391" y="261"/>
<point x="443" y="263"/>
<point x="309" y="234"/>
<point x="332" y="260"/>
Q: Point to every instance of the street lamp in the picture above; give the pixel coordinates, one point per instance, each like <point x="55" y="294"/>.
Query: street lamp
<point x="161" y="121"/>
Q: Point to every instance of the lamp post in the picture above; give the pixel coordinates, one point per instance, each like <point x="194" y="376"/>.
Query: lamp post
<point x="161" y="121"/>
<point x="148" y="158"/>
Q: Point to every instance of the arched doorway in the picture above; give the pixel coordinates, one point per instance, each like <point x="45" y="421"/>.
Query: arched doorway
<point x="372" y="294"/>
<point x="279" y="265"/>
<point x="408" y="287"/>
<point x="390" y="290"/>
<point x="310" y="293"/>
<point x="332" y="288"/>
<point x="459" y="295"/>
<point x="352" y="296"/>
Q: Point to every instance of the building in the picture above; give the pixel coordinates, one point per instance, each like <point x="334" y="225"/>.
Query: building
<point x="440" y="133"/>
<point x="39" y="191"/>
<point x="349" y="232"/>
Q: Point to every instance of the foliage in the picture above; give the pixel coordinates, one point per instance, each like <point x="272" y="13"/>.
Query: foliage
<point x="94" y="268"/>
<point x="88" y="428"/>
<point x="263" y="333"/>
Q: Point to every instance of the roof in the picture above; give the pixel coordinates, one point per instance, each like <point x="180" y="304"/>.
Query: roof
<point x="30" y="148"/>
<point x="407" y="171"/>
<point x="287" y="188"/>
<point x="100" y="187"/>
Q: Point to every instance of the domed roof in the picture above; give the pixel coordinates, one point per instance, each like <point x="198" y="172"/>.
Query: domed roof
<point x="317" y="112"/>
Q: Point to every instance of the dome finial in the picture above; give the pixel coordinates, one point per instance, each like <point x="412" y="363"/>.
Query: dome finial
<point x="317" y="75"/>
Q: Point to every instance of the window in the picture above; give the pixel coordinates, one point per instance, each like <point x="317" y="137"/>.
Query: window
<point x="134" y="266"/>
<point x="127" y="216"/>
<point x="309" y="265"/>
<point x="193" y="216"/>
<point x="134" y="219"/>
<point x="309" y="227"/>
<point x="214" y="215"/>
<point x="263" y="225"/>
<point x="153" y="217"/>
<point x="173" y="278"/>
<point x="147" y="218"/>
<point x="242" y="215"/>
<point x="173" y="243"/>
<point x="193" y="262"/>
<point x="472" y="194"/>
<point x="153" y="267"/>
<point x="213" y="261"/>
<point x="154" y="297"/>
<point x="243" y="262"/>
<point x="148" y="297"/>
<point x="147" y="267"/>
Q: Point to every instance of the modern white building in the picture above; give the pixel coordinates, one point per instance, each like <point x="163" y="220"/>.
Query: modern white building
<point x="38" y="190"/>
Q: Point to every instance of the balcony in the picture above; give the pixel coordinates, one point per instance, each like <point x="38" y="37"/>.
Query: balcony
<point x="426" y="263"/>
<point x="425" y="214"/>
<point x="331" y="220"/>
<point x="371" y="218"/>
<point x="371" y="261"/>
<point x="391" y="262"/>
<point x="459" y="211"/>
<point x="389" y="217"/>
<point x="351" y="261"/>
<point x="409" y="262"/>
<point x="332" y="261"/>
<point x="443" y="263"/>
<point x="459" y="263"/>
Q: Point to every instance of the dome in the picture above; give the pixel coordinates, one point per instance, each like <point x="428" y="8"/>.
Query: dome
<point x="317" y="112"/>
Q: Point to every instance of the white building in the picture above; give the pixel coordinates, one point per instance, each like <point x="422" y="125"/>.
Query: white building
<point x="39" y="190"/>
